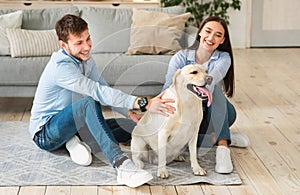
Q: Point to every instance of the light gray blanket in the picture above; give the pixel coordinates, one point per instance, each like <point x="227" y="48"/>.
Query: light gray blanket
<point x="23" y="163"/>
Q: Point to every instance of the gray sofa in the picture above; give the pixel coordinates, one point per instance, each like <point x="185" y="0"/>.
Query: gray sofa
<point x="110" y="33"/>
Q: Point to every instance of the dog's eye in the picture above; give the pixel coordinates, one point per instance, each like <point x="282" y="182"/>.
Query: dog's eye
<point x="194" y="72"/>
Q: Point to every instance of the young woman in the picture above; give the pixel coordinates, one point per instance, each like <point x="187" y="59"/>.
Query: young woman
<point x="212" y="49"/>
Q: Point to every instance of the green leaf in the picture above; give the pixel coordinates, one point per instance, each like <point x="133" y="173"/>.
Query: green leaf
<point x="204" y="8"/>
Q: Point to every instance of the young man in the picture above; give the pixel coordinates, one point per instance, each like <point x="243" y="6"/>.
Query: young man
<point x="69" y="96"/>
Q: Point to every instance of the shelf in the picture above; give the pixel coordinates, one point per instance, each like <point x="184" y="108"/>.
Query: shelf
<point x="37" y="4"/>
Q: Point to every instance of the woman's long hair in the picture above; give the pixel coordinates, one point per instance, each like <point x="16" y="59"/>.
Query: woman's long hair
<point x="225" y="46"/>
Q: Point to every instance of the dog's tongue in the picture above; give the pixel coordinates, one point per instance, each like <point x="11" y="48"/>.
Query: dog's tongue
<point x="205" y="92"/>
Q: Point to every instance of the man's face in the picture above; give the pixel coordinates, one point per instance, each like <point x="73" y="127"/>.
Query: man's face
<point x="79" y="46"/>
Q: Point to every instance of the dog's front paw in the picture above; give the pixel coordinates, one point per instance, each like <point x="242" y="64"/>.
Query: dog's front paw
<point x="162" y="173"/>
<point x="199" y="171"/>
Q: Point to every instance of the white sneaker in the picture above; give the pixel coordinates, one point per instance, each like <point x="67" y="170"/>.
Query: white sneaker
<point x="223" y="160"/>
<point x="80" y="152"/>
<point x="239" y="140"/>
<point x="131" y="175"/>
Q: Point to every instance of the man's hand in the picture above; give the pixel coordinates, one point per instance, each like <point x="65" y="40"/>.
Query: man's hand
<point x="134" y="116"/>
<point x="160" y="105"/>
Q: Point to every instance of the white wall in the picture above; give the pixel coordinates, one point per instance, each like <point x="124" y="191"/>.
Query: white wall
<point x="238" y="25"/>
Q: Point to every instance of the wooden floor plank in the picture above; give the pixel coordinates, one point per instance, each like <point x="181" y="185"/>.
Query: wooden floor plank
<point x="165" y="190"/>
<point x="26" y="115"/>
<point x="280" y="158"/>
<point x="107" y="190"/>
<point x="286" y="120"/>
<point x="246" y="187"/>
<point x="82" y="190"/>
<point x="12" y="109"/>
<point x="263" y="140"/>
<point x="9" y="190"/>
<point x="210" y="189"/>
<point x="266" y="137"/>
<point x="241" y="190"/>
<point x="58" y="190"/>
<point x="32" y="190"/>
<point x="258" y="177"/>
<point x="189" y="190"/>
<point x="121" y="190"/>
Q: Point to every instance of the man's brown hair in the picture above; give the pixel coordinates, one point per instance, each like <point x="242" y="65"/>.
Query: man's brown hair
<point x="70" y="24"/>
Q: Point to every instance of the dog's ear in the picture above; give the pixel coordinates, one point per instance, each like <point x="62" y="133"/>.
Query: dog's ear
<point x="177" y="73"/>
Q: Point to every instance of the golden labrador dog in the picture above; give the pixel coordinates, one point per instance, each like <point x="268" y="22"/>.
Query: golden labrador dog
<point x="169" y="136"/>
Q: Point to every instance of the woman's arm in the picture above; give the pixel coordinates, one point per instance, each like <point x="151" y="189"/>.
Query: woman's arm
<point x="218" y="69"/>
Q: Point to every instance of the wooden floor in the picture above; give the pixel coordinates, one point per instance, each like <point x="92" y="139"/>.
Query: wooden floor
<point x="267" y="100"/>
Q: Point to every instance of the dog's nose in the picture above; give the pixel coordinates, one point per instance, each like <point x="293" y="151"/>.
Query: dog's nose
<point x="208" y="79"/>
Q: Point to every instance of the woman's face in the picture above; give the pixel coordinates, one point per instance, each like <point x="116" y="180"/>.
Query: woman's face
<point x="211" y="35"/>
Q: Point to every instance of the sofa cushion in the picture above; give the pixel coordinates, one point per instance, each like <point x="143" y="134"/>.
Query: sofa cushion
<point x="132" y="70"/>
<point x="156" y="32"/>
<point x="43" y="19"/>
<point x="21" y="71"/>
<point x="26" y="43"/>
<point x="110" y="27"/>
<point x="10" y="20"/>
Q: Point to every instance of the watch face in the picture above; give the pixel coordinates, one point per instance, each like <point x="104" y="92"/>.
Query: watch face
<point x="143" y="102"/>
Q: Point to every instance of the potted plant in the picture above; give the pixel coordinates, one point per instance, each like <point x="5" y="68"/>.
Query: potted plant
<point x="204" y="8"/>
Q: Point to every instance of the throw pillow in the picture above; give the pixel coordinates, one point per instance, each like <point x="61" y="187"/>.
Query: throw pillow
<point x="156" y="32"/>
<point x="10" y="20"/>
<point x="27" y="43"/>
<point x="110" y="31"/>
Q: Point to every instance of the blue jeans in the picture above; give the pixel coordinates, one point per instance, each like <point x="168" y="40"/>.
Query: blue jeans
<point x="66" y="123"/>
<point x="216" y="120"/>
<point x="121" y="128"/>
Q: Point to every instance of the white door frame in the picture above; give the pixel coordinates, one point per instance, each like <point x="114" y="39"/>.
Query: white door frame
<point x="260" y="37"/>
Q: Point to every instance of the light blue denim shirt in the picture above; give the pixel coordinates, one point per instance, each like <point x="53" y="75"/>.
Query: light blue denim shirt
<point x="217" y="66"/>
<point x="64" y="80"/>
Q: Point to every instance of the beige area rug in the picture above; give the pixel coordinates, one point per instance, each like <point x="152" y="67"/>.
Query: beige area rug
<point x="23" y="163"/>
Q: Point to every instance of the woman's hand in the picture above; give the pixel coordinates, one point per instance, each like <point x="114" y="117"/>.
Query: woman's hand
<point x="160" y="105"/>
<point x="134" y="116"/>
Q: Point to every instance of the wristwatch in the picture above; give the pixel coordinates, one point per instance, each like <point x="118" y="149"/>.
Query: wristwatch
<point x="143" y="102"/>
